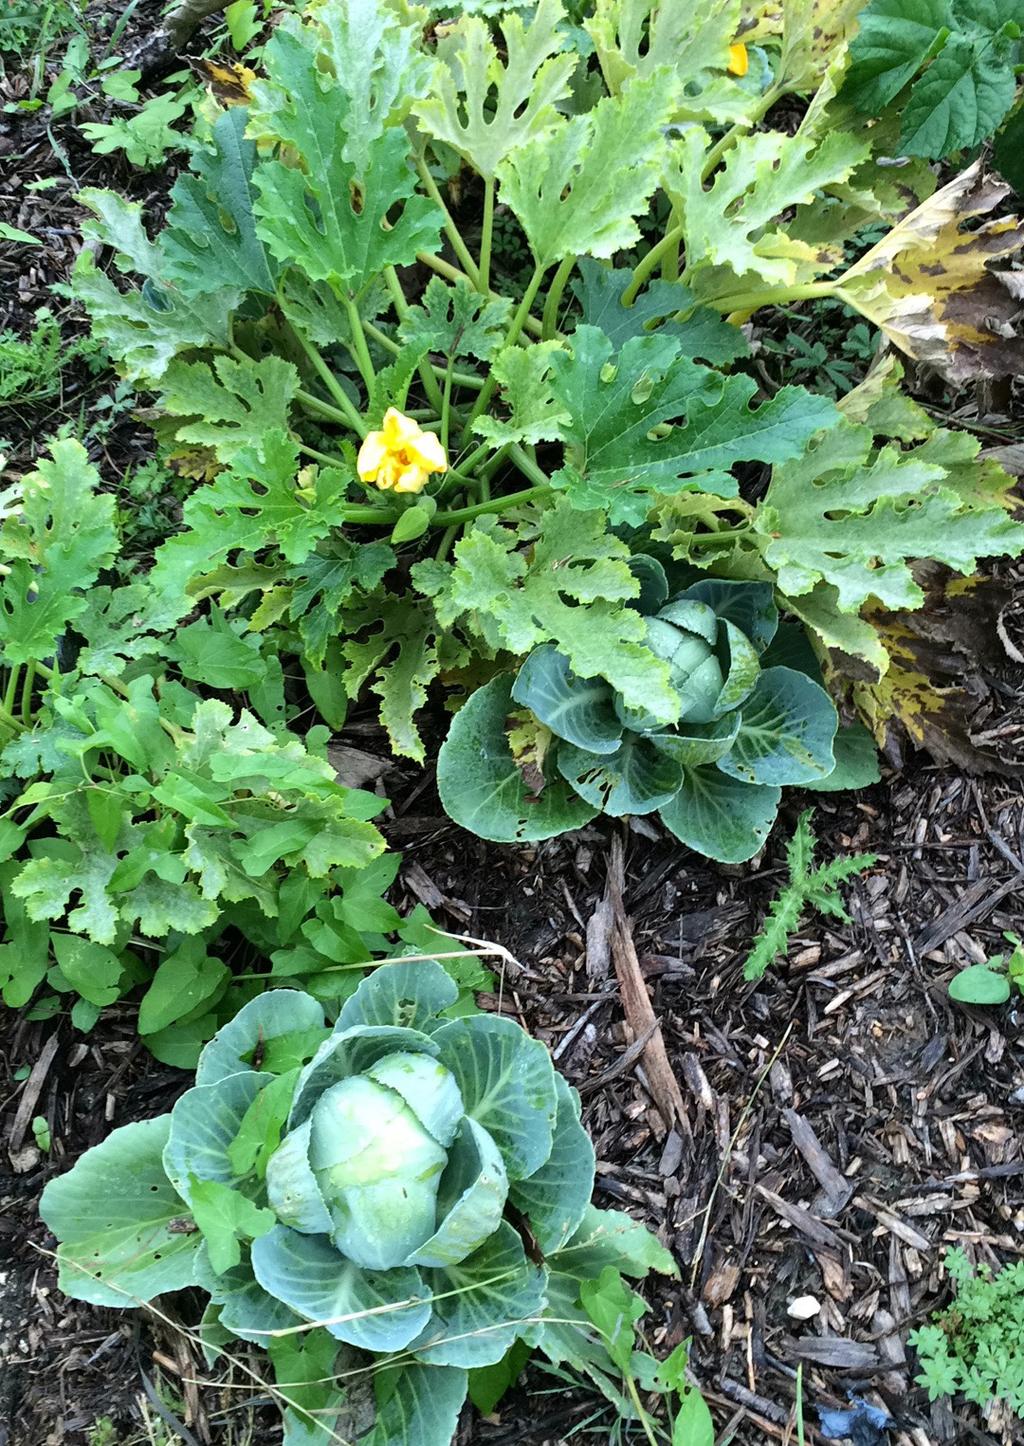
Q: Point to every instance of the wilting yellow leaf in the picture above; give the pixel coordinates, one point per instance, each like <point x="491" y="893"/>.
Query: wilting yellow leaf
<point x="529" y="741"/>
<point x="934" y="691"/>
<point x="231" y="84"/>
<point x="815" y="35"/>
<point x="929" y="287"/>
<point x="198" y="463"/>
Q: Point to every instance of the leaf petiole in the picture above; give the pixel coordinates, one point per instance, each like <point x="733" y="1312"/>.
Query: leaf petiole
<point x="451" y="230"/>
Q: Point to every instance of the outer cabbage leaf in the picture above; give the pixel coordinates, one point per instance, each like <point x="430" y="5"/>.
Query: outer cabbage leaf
<point x="481" y="786"/>
<point x="721" y="817"/>
<point x="481" y="1303"/>
<point x="113" y="1213"/>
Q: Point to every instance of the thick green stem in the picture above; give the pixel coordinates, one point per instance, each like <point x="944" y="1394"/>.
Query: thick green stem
<point x="634" y="1395"/>
<point x="26" y="694"/>
<point x="326" y="459"/>
<point x="670" y="261"/>
<point x="446" y="406"/>
<point x="11" y="692"/>
<point x="330" y="381"/>
<point x="396" y="293"/>
<point x="549" y="321"/>
<point x="319" y="408"/>
<point x="401" y="306"/>
<point x="7" y="721"/>
<point x="525" y="463"/>
<point x="462" y="379"/>
<point x="650" y="261"/>
<point x="483" y="280"/>
<point x="451" y="230"/>
<point x="772" y="296"/>
<point x="467" y="464"/>
<point x="497" y="504"/>
<point x="741" y="128"/>
<point x="512" y="336"/>
<point x="360" y="351"/>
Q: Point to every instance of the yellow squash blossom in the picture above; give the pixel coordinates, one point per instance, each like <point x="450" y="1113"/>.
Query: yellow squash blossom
<point x="738" y="61"/>
<point x="401" y="456"/>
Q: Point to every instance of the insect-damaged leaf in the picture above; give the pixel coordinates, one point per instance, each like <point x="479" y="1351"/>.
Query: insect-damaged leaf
<point x="485" y="107"/>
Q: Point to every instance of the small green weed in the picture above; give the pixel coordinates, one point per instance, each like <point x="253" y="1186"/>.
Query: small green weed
<point x="807" y="887"/>
<point x="32" y="367"/>
<point x="976" y="1346"/>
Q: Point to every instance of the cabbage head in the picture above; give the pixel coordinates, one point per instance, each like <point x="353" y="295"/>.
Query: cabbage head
<point x="544" y="750"/>
<point x="390" y="1207"/>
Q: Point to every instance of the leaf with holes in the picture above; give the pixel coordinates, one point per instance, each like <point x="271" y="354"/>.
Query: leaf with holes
<point x="705" y="419"/>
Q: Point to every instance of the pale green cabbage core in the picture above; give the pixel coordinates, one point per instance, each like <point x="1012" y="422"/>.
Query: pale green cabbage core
<point x="376" y="1163"/>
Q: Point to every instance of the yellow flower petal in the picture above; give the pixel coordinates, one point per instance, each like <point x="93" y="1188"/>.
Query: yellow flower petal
<point x="399" y="430"/>
<point x="428" y="452"/>
<point x="739" y="62"/>
<point x="411" y="479"/>
<point x="371" y="455"/>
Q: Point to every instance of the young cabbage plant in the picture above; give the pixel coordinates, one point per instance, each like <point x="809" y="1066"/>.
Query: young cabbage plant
<point x="388" y="1207"/>
<point x="745" y="724"/>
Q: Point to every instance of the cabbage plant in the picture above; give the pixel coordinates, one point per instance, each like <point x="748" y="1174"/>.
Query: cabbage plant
<point x="543" y="751"/>
<point x="390" y="1206"/>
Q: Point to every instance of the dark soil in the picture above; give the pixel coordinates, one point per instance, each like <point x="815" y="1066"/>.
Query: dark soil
<point x="843" y="1120"/>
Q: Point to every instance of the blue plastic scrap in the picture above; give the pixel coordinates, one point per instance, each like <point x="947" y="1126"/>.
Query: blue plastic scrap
<point x="862" y="1423"/>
